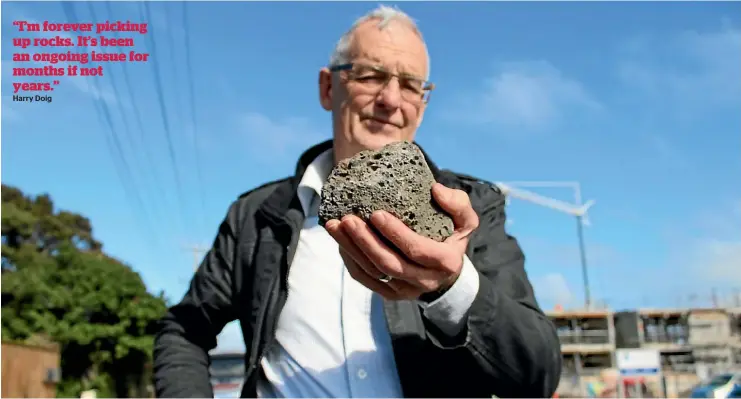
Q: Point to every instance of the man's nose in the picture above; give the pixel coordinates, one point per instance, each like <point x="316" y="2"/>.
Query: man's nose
<point x="390" y="95"/>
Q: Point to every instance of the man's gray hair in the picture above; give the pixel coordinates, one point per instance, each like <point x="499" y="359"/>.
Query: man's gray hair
<point x="385" y="15"/>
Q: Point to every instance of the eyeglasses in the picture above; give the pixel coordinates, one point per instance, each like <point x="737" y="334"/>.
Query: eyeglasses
<point x="372" y="79"/>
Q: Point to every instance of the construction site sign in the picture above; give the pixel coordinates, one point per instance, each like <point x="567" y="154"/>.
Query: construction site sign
<point x="632" y="362"/>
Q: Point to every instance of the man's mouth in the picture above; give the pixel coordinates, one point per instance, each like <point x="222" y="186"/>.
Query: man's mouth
<point x="380" y="121"/>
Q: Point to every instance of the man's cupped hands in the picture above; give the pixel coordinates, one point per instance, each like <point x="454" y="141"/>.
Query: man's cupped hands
<point x="419" y="264"/>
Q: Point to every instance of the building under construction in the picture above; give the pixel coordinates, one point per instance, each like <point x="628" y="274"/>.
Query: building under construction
<point x="693" y="344"/>
<point x="588" y="347"/>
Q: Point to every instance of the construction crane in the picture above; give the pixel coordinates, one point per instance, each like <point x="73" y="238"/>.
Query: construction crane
<point x="578" y="210"/>
<point x="561" y="206"/>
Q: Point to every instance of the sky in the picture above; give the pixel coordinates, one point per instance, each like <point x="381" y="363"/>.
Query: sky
<point x="639" y="102"/>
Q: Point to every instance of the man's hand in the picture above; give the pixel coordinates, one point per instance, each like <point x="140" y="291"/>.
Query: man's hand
<point x="426" y="265"/>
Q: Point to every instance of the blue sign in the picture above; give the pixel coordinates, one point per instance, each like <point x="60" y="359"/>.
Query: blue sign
<point x="640" y="371"/>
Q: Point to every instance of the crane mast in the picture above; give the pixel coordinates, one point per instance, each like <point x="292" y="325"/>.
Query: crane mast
<point x="578" y="210"/>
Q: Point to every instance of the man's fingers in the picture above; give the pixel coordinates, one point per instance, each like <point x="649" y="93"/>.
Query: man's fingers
<point x="346" y="244"/>
<point x="373" y="284"/>
<point x="457" y="204"/>
<point x="385" y="259"/>
<point x="372" y="247"/>
<point x="357" y="265"/>
<point x="417" y="248"/>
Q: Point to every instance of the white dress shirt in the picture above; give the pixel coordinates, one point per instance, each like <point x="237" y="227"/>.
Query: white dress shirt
<point x="332" y="337"/>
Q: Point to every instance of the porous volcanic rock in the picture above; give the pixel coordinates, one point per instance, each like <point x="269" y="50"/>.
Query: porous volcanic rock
<point x="395" y="179"/>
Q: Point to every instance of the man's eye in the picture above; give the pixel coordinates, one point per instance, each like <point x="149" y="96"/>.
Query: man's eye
<point x="414" y="85"/>
<point x="376" y="77"/>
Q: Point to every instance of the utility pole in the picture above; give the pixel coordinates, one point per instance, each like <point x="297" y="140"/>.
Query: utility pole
<point x="578" y="210"/>
<point x="197" y="251"/>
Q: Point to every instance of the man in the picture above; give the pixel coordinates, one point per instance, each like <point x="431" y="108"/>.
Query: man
<point x="333" y="311"/>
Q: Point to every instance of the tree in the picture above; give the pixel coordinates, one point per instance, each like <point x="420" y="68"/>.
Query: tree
<point x="57" y="283"/>
<point x="30" y="224"/>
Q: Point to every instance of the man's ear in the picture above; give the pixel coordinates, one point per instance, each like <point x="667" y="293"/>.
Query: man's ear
<point x="325" y="89"/>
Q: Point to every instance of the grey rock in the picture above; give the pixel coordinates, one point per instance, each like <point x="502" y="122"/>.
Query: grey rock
<point x="395" y="179"/>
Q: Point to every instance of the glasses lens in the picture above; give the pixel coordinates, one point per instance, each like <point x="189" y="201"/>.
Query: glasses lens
<point x="372" y="79"/>
<point x="413" y="89"/>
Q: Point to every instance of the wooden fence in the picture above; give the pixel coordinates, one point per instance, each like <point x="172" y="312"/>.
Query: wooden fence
<point x="29" y="371"/>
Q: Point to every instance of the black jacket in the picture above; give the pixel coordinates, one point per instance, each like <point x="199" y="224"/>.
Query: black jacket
<point x="509" y="349"/>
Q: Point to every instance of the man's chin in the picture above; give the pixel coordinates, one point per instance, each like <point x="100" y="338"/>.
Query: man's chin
<point x="365" y="139"/>
<point x="377" y="141"/>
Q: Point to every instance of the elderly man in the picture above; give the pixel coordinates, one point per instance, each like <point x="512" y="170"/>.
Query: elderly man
<point x="333" y="311"/>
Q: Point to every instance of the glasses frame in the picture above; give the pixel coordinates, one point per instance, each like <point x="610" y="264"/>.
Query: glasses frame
<point x="428" y="86"/>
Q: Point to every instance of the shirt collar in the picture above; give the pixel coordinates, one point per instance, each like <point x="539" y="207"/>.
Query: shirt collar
<point x="310" y="186"/>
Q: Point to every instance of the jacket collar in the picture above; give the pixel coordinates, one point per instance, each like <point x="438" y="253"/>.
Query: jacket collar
<point x="285" y="197"/>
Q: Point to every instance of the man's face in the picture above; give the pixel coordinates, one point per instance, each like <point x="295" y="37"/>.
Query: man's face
<point x="368" y="111"/>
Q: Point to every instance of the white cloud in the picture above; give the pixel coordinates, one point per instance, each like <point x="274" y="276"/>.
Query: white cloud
<point x="530" y="95"/>
<point x="713" y="255"/>
<point x="690" y="70"/>
<point x="277" y="139"/>
<point x="719" y="260"/>
<point x="553" y="289"/>
<point x="701" y="255"/>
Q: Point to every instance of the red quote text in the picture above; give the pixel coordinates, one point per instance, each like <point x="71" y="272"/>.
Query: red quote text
<point x="48" y="51"/>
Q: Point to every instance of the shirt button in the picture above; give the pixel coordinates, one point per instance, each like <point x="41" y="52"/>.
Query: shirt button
<point x="362" y="374"/>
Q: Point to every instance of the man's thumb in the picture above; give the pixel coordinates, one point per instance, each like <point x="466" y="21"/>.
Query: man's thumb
<point x="457" y="204"/>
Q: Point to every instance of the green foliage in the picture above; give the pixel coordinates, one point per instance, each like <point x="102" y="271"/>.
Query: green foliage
<point x="57" y="282"/>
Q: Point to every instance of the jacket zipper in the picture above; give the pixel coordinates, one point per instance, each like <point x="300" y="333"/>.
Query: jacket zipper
<point x="278" y="296"/>
<point x="258" y="351"/>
